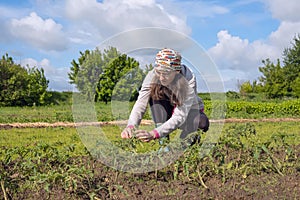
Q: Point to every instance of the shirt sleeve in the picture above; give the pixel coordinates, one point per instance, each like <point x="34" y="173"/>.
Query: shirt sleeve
<point x="179" y="115"/>
<point x="140" y="105"/>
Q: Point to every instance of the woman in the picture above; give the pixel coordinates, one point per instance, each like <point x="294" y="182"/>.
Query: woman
<point x="170" y="89"/>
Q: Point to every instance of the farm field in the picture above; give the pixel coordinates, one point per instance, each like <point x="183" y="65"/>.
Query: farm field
<point x="258" y="160"/>
<point x="255" y="154"/>
<point x="233" y="109"/>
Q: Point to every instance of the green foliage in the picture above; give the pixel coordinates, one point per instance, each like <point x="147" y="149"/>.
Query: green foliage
<point x="21" y="86"/>
<point x="273" y="79"/>
<point x="37" y="86"/>
<point x="56" y="98"/>
<point x="254" y="109"/>
<point x="296" y="87"/>
<point x="246" y="88"/>
<point x="205" y="96"/>
<point x="232" y="95"/>
<point x="129" y="81"/>
<point x="279" y="81"/>
<point x="235" y="108"/>
<point x="49" y="114"/>
<point x="120" y="79"/>
<point x="85" y="74"/>
<point x="76" y="66"/>
<point x="60" y="160"/>
<point x="41" y="166"/>
<point x="291" y="60"/>
<point x="97" y="73"/>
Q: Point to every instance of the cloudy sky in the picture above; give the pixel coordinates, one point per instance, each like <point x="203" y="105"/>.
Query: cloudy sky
<point x="236" y="34"/>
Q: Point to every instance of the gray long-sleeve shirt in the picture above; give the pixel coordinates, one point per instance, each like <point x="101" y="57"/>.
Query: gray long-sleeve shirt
<point x="192" y="101"/>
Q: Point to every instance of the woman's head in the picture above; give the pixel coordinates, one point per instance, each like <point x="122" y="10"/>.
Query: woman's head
<point x="168" y="59"/>
<point x="167" y="65"/>
<point x="168" y="81"/>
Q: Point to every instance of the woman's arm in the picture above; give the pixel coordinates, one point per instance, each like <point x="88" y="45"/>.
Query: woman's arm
<point x="140" y="105"/>
<point x="179" y="115"/>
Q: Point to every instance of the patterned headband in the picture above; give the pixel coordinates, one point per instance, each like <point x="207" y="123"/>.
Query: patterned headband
<point x="168" y="60"/>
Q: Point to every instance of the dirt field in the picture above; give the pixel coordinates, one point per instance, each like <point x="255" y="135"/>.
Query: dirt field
<point x="152" y="186"/>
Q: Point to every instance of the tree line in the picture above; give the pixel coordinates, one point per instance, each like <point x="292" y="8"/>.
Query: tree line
<point x="108" y="74"/>
<point x="279" y="79"/>
<point x="98" y="75"/>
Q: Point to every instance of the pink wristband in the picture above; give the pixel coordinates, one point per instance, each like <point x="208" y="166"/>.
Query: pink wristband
<point x="156" y="134"/>
<point x="130" y="126"/>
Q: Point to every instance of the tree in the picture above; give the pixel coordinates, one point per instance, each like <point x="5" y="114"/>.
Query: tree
<point x="37" y="87"/>
<point x="246" y="88"/>
<point x="279" y="81"/>
<point x="85" y="74"/>
<point x="291" y="60"/>
<point x="21" y="86"/>
<point x="120" y="78"/>
<point x="76" y="66"/>
<point x="257" y="87"/>
<point x="97" y="73"/>
<point x="273" y="79"/>
<point x="296" y="87"/>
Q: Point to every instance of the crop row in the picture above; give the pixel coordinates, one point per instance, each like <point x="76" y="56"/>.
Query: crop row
<point x="258" y="109"/>
<point x="105" y="112"/>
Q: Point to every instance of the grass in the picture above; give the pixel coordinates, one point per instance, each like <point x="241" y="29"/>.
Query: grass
<point x="61" y="113"/>
<point x="269" y="131"/>
<point x="36" y="114"/>
<point x="27" y="137"/>
<point x="287" y="132"/>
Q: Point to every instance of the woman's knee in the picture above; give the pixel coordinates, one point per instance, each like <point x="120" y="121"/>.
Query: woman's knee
<point x="203" y="122"/>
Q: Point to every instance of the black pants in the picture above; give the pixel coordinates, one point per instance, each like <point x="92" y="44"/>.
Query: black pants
<point x="162" y="110"/>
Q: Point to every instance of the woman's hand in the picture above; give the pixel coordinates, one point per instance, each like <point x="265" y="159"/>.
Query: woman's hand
<point x="144" y="135"/>
<point x="127" y="133"/>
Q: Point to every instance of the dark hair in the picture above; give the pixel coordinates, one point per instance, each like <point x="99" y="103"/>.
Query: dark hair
<point x="176" y="92"/>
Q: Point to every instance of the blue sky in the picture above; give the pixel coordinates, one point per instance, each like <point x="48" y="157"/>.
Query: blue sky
<point x="236" y="34"/>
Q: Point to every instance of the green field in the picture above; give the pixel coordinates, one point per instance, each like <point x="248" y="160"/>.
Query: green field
<point x="110" y="112"/>
<point x="255" y="160"/>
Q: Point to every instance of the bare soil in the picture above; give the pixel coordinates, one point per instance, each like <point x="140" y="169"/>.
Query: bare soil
<point x="157" y="186"/>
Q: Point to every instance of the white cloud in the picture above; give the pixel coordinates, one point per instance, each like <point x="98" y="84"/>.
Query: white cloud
<point x="238" y="59"/>
<point x="57" y="76"/>
<point x="194" y="8"/>
<point x="138" y="3"/>
<point x="107" y="18"/>
<point x="288" y="14"/>
<point x="232" y="52"/>
<point x="43" y="34"/>
<point x="285" y="34"/>
<point x="284" y="10"/>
